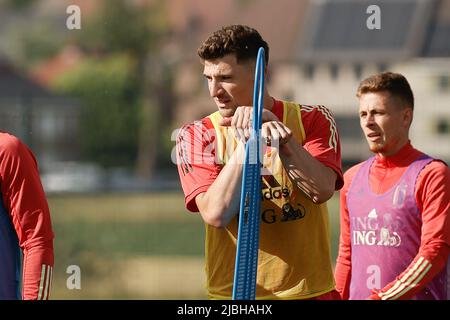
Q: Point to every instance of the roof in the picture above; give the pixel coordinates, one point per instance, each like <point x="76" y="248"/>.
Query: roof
<point x="14" y="84"/>
<point x="337" y="30"/>
<point x="321" y="30"/>
<point x="438" y="42"/>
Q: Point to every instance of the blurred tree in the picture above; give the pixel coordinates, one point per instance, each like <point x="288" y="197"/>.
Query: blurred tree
<point x="109" y="120"/>
<point x="118" y="27"/>
<point x="39" y="44"/>
<point x="135" y="31"/>
<point x="20" y="3"/>
<point x="28" y="36"/>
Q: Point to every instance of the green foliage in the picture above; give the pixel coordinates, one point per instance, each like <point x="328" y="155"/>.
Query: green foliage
<point x="30" y="38"/>
<point x="167" y="145"/>
<point x="108" y="89"/>
<point x="119" y="28"/>
<point x="132" y="238"/>
<point x="20" y="3"/>
<point x="102" y="233"/>
<point x="39" y="43"/>
<point x="122" y="76"/>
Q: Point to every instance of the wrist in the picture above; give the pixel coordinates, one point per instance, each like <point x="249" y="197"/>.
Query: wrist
<point x="287" y="147"/>
<point x="374" y="295"/>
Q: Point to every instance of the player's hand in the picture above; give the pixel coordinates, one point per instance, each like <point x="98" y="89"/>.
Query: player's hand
<point x="241" y="121"/>
<point x="275" y="133"/>
<point x="374" y="295"/>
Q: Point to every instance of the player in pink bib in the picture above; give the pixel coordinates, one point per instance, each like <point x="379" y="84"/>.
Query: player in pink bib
<point x="395" y="234"/>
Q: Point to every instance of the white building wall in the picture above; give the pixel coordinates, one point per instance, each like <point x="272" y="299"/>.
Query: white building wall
<point x="289" y="81"/>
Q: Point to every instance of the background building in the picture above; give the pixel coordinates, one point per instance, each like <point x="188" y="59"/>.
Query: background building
<point x="45" y="121"/>
<point x="321" y="50"/>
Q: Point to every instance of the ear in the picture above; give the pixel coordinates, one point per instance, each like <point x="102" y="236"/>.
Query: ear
<point x="407" y="117"/>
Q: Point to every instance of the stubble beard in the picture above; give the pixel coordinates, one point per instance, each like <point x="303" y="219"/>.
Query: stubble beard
<point x="377" y="147"/>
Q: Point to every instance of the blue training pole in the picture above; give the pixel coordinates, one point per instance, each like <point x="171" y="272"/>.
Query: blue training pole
<point x="244" y="286"/>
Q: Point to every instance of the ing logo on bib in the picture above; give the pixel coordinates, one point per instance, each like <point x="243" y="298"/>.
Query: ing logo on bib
<point x="374" y="230"/>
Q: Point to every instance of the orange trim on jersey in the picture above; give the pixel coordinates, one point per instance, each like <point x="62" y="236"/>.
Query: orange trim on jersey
<point x="408" y="281"/>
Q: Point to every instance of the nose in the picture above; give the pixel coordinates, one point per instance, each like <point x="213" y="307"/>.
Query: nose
<point x="215" y="88"/>
<point x="368" y="120"/>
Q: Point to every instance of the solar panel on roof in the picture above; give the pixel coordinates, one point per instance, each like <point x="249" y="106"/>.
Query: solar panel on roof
<point x="337" y="30"/>
<point x="439" y="42"/>
<point x="343" y="25"/>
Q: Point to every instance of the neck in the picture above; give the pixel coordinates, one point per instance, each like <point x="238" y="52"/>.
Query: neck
<point x="393" y="151"/>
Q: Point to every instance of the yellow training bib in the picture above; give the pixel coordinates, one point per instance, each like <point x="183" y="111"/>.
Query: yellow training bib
<point x="294" y="259"/>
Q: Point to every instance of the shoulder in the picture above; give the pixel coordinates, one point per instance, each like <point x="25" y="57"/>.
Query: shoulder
<point x="350" y="173"/>
<point x="432" y="188"/>
<point x="437" y="166"/>
<point x="10" y="145"/>
<point x="317" y="117"/>
<point x="348" y="179"/>
<point x="435" y="170"/>
<point x="202" y="124"/>
<point x="316" y="113"/>
<point x="318" y="123"/>
<point x="196" y="128"/>
<point x="14" y="154"/>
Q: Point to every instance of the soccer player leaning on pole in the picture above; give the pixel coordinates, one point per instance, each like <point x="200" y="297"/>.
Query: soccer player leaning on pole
<point x="302" y="169"/>
<point x="395" y="206"/>
<point x="26" y="236"/>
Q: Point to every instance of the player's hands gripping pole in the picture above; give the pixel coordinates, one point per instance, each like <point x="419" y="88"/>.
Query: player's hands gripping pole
<point x="244" y="287"/>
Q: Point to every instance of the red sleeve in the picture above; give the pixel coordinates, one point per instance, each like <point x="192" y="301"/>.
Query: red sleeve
<point x="343" y="268"/>
<point x="432" y="196"/>
<point x="322" y="138"/>
<point x="25" y="200"/>
<point x="196" y="160"/>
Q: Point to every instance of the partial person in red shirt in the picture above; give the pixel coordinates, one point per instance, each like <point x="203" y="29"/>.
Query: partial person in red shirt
<point x="26" y="236"/>
<point x="302" y="169"/>
<point x="395" y="206"/>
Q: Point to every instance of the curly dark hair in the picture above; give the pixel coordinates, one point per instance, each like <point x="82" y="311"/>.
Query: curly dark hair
<point x="395" y="83"/>
<point x="243" y="41"/>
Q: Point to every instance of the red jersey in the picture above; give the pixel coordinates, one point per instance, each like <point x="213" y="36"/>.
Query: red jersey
<point x="27" y="238"/>
<point x="432" y="194"/>
<point x="197" y="163"/>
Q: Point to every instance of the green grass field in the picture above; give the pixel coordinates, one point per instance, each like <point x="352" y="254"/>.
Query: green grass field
<point x="133" y="246"/>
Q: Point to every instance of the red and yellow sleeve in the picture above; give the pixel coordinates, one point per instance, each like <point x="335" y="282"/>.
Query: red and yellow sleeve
<point x="322" y="138"/>
<point x="432" y="196"/>
<point x="196" y="161"/>
<point x="25" y="200"/>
